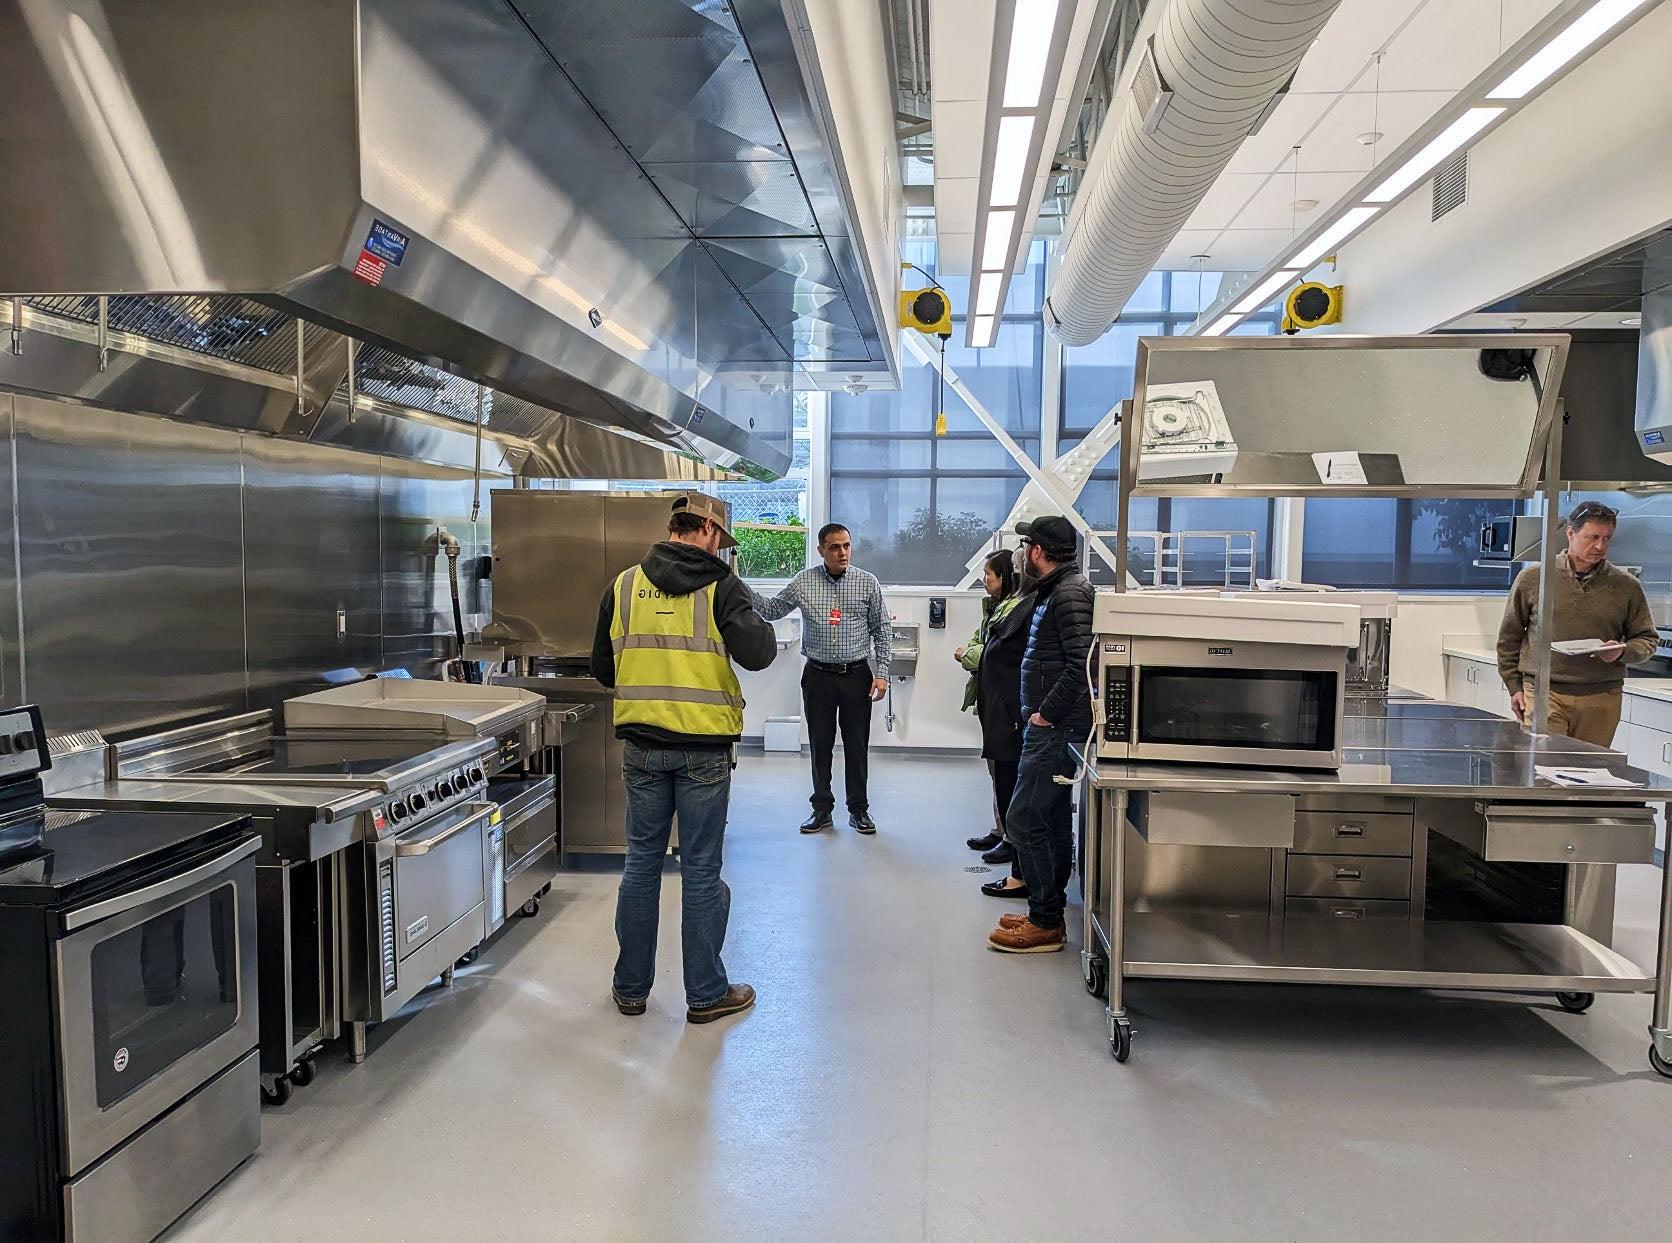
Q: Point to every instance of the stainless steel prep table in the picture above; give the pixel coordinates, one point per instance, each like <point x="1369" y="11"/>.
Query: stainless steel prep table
<point x="1464" y="785"/>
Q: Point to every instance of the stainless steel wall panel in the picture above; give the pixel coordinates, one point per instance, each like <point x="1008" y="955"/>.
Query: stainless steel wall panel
<point x="11" y="680"/>
<point x="550" y="567"/>
<point x="131" y="568"/>
<point x="311" y="539"/>
<point x="414" y="499"/>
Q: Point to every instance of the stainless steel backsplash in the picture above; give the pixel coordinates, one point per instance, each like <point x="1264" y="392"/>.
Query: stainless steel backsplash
<point x="156" y="571"/>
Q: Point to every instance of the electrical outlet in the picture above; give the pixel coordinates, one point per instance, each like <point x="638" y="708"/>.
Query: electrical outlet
<point x="342" y="623"/>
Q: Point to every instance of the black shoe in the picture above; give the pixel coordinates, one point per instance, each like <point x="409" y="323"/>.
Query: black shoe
<point x="1004" y="852"/>
<point x="983" y="843"/>
<point x="862" y="822"/>
<point x="998" y="889"/>
<point x="817" y="822"/>
<point x="739" y="997"/>
<point x="627" y="1007"/>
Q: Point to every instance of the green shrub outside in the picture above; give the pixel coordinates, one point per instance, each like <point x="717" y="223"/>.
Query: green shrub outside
<point x="772" y="554"/>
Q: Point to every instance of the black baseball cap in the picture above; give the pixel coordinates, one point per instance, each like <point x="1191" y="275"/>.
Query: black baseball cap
<point x="1053" y="533"/>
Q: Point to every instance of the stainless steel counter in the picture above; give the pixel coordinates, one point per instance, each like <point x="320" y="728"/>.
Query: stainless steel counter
<point x="1437" y="858"/>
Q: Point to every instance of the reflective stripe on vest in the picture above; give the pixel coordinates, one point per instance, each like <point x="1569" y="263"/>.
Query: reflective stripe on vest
<point x="672" y="672"/>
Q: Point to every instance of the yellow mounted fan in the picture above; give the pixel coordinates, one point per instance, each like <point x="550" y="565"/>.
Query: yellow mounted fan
<point x="1311" y="305"/>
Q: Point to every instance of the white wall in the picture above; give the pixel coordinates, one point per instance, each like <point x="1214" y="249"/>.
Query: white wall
<point x="1582" y="169"/>
<point x="1419" y="631"/>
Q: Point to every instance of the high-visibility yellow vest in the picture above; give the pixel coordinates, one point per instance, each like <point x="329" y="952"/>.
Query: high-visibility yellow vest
<point x="671" y="669"/>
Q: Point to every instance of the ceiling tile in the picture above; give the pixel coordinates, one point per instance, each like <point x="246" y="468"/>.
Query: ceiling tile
<point x="1350" y="38"/>
<point x="960" y="129"/>
<point x="1187" y="243"/>
<point x="1226" y="197"/>
<point x="1445" y="48"/>
<point x="1269" y="208"/>
<point x="954" y="254"/>
<point x="955" y="205"/>
<point x="960" y="48"/>
<point x="1334" y="145"/>
<point x="1274" y="144"/>
<point x="1237" y="250"/>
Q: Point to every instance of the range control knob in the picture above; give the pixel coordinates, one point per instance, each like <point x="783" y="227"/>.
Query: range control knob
<point x="476" y="775"/>
<point x="397" y="811"/>
<point x="415" y="804"/>
<point x="444" y="788"/>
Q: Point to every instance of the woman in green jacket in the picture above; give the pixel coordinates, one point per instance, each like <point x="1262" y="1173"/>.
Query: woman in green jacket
<point x="999" y="577"/>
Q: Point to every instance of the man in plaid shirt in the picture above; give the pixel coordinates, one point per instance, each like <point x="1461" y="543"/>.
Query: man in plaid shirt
<point x="846" y="637"/>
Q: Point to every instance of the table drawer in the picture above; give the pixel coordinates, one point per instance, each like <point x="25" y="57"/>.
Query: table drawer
<point x="1352" y="833"/>
<point x="1393" y="804"/>
<point x="1348" y="876"/>
<point x="1348" y="908"/>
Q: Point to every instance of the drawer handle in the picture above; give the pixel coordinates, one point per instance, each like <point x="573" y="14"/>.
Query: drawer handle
<point x="1345" y="912"/>
<point x="1349" y="829"/>
<point x="1349" y="874"/>
<point x="1665" y="747"/>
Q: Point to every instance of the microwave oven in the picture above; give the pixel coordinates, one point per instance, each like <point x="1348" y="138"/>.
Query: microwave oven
<point x="1207" y="701"/>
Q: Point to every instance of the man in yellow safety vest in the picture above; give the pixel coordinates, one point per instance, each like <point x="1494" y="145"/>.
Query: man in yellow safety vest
<point x="668" y="630"/>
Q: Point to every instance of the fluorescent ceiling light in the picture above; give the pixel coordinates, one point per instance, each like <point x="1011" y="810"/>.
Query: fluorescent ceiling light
<point x="1331" y="237"/>
<point x="996" y="247"/>
<point x="1264" y="290"/>
<point x="1221" y="326"/>
<point x="1030" y="48"/>
<point x="1597" y="21"/>
<point x="981" y="331"/>
<point x="987" y="293"/>
<point x="1450" y="140"/>
<point x="1010" y="158"/>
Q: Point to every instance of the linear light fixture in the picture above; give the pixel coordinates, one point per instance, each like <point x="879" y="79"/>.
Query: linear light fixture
<point x="1326" y="242"/>
<point x="1030" y="51"/>
<point x="1221" y="326"/>
<point x="981" y="331"/>
<point x="1446" y="144"/>
<point x="987" y="293"/>
<point x="1264" y="290"/>
<point x="995" y="247"/>
<point x="1010" y="161"/>
<point x="1565" y="47"/>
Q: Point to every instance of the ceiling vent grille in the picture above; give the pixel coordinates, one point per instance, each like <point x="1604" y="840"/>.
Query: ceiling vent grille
<point x="1451" y="185"/>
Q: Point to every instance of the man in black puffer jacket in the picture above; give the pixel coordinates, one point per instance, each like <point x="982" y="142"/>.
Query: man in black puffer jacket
<point x="1056" y="710"/>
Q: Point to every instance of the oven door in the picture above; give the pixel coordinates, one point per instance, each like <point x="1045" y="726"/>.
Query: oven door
<point x="156" y="996"/>
<point x="1257" y="705"/>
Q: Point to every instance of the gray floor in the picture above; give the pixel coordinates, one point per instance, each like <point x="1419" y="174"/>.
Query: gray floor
<point x="899" y="1081"/>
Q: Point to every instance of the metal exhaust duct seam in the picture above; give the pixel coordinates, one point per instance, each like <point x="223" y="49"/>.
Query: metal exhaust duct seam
<point x="1203" y="84"/>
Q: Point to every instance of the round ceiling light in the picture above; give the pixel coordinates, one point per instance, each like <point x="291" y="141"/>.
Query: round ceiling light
<point x="1303" y="205"/>
<point x="1369" y="138"/>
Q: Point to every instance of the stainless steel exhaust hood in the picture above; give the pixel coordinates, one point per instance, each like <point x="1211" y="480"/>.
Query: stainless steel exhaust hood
<point x="1654" y="353"/>
<point x="601" y="209"/>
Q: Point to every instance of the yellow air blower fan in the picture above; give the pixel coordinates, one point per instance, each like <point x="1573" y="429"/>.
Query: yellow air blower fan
<point x="1311" y="305"/>
<point x="929" y="311"/>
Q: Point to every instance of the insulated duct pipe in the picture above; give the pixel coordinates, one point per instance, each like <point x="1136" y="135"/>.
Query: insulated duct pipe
<point x="1201" y="86"/>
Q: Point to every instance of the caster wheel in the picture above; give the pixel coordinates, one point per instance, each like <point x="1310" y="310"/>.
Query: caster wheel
<point x="278" y="1094"/>
<point x="1575" y="1003"/>
<point x="1661" y="1065"/>
<point x="1096" y="976"/>
<point x="544" y="889"/>
<point x="303" y="1073"/>
<point x="531" y="907"/>
<point x="468" y="957"/>
<point x="1120" y="1044"/>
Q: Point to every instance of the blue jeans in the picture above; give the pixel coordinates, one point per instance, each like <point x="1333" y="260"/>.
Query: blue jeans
<point x="697" y="785"/>
<point x="1040" y="822"/>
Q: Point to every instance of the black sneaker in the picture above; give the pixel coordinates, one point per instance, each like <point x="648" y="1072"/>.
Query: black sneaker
<point x="862" y="822"/>
<point x="628" y="1007"/>
<point x="738" y="998"/>
<point x="983" y="843"/>
<point x="818" y="822"/>
<point x="1001" y="889"/>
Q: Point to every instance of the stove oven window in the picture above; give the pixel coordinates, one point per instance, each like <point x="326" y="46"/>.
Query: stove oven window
<point x="163" y="989"/>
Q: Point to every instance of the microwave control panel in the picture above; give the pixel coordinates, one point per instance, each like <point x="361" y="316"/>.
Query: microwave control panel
<point x="1117" y="703"/>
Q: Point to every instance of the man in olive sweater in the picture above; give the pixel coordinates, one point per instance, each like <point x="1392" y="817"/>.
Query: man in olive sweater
<point x="1594" y="600"/>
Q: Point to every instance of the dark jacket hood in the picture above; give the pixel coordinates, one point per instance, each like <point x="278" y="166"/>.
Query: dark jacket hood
<point x="680" y="569"/>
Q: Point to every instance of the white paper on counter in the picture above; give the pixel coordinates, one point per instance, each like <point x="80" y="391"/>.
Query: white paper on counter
<point x="1582" y="776"/>
<point x="1339" y="468"/>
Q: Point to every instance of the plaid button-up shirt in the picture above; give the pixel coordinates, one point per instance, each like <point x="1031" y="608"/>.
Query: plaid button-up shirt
<point x="843" y="620"/>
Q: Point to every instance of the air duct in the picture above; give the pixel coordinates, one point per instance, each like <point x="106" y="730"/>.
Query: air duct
<point x="1210" y="74"/>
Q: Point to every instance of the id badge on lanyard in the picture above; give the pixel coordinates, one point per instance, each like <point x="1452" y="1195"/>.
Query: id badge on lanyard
<point x="835" y="615"/>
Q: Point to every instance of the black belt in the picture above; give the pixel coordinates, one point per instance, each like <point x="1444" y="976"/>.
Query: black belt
<point x="838" y="670"/>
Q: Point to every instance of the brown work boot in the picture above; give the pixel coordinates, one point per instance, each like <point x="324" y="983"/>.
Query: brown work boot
<point x="1027" y="937"/>
<point x="739" y="997"/>
<point x="1013" y="919"/>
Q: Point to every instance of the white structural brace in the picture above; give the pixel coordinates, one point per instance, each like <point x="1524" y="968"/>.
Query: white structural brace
<point x="1048" y="484"/>
<point x="1194" y="92"/>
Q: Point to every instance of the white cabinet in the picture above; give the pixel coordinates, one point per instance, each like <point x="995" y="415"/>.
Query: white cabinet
<point x="1651" y="750"/>
<point x="1475" y="684"/>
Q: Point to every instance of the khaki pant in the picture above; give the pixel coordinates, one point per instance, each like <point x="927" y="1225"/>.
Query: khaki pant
<point x="1589" y="718"/>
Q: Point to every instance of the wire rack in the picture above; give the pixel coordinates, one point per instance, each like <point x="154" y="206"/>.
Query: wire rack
<point x="383" y="373"/>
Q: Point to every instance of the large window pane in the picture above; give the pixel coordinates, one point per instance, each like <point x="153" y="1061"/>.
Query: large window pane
<point x="1351" y="543"/>
<point x="1099" y="376"/>
<point x="1400" y="544"/>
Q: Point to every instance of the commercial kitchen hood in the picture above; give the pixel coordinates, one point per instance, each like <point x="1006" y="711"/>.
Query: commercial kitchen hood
<point x="630" y="215"/>
<point x="1654" y="353"/>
